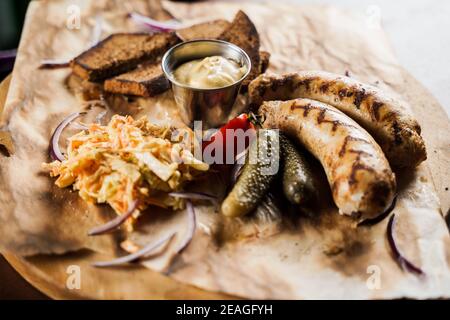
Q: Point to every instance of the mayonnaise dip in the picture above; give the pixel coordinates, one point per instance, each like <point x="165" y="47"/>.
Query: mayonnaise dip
<point x="209" y="73"/>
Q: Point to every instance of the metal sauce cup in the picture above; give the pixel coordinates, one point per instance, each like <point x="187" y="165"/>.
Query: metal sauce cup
<point x="211" y="106"/>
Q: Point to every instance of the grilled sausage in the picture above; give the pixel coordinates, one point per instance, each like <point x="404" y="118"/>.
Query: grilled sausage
<point x="388" y="120"/>
<point x="361" y="180"/>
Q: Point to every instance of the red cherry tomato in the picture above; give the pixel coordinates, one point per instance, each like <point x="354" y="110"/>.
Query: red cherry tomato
<point x="219" y="139"/>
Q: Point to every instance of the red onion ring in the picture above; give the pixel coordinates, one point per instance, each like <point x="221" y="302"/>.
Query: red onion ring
<point x="142" y="253"/>
<point x="162" y="26"/>
<point x="236" y="172"/>
<point x="192" y="225"/>
<point x="7" y="59"/>
<point x="54" y="64"/>
<point x="79" y="126"/>
<point x="238" y="166"/>
<point x="99" y="117"/>
<point x="114" y="223"/>
<point x="404" y="263"/>
<point x="54" y="150"/>
<point x="193" y="195"/>
<point x="381" y="217"/>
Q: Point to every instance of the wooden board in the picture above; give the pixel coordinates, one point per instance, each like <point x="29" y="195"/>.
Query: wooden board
<point x="49" y="273"/>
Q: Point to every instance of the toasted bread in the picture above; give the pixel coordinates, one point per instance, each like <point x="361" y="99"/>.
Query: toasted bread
<point x="84" y="89"/>
<point x="264" y="60"/>
<point x="120" y="53"/>
<point x="242" y="32"/>
<point x="147" y="80"/>
<point x="206" y="30"/>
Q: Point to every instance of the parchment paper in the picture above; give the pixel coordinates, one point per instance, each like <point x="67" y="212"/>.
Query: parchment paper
<point x="320" y="257"/>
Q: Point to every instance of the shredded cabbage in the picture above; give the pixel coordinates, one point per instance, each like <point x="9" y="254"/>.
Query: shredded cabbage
<point x="127" y="160"/>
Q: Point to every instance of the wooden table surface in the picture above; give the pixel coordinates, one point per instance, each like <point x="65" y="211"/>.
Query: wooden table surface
<point x="13" y="286"/>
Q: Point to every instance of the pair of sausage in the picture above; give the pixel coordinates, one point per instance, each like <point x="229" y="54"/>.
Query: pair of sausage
<point x="361" y="180"/>
<point x="326" y="118"/>
<point x="387" y="119"/>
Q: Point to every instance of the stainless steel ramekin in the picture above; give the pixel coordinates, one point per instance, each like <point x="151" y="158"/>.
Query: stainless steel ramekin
<point x="212" y="106"/>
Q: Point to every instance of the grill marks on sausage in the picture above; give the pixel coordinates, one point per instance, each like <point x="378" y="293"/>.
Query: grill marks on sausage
<point x="355" y="172"/>
<point x="306" y="108"/>
<point x="276" y="84"/>
<point x="355" y="168"/>
<point x="359" y="152"/>
<point x="345" y="93"/>
<point x="346" y="140"/>
<point x="360" y="94"/>
<point x="324" y="86"/>
<point x="284" y="82"/>
<point x="397" y="133"/>
<point x="357" y="165"/>
<point x="322" y="115"/>
<point x="306" y="82"/>
<point x="261" y="90"/>
<point x="336" y="123"/>
<point x="376" y="105"/>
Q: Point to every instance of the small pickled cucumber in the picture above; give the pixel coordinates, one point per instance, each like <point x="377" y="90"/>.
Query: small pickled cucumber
<point x="259" y="171"/>
<point x="299" y="185"/>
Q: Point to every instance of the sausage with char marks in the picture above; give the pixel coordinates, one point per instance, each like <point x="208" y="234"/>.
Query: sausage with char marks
<point x="362" y="182"/>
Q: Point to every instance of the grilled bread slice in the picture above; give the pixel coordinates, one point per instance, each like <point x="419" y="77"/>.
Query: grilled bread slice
<point x="207" y="30"/>
<point x="120" y="53"/>
<point x="84" y="89"/>
<point x="147" y="80"/>
<point x="264" y="60"/>
<point x="242" y="32"/>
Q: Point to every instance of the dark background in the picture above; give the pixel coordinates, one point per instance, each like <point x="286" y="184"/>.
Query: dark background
<point x="12" y="14"/>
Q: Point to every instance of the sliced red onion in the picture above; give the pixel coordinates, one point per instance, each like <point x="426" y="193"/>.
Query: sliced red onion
<point x="7" y="59"/>
<point x="236" y="172"/>
<point x="162" y="26"/>
<point x="192" y="225"/>
<point x="381" y="217"/>
<point x="241" y="155"/>
<point x="144" y="252"/>
<point x="54" y="64"/>
<point x="54" y="150"/>
<point x="237" y="168"/>
<point x="6" y="54"/>
<point x="99" y="117"/>
<point x="79" y="126"/>
<point x="404" y="263"/>
<point x="114" y="223"/>
<point x="193" y="195"/>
